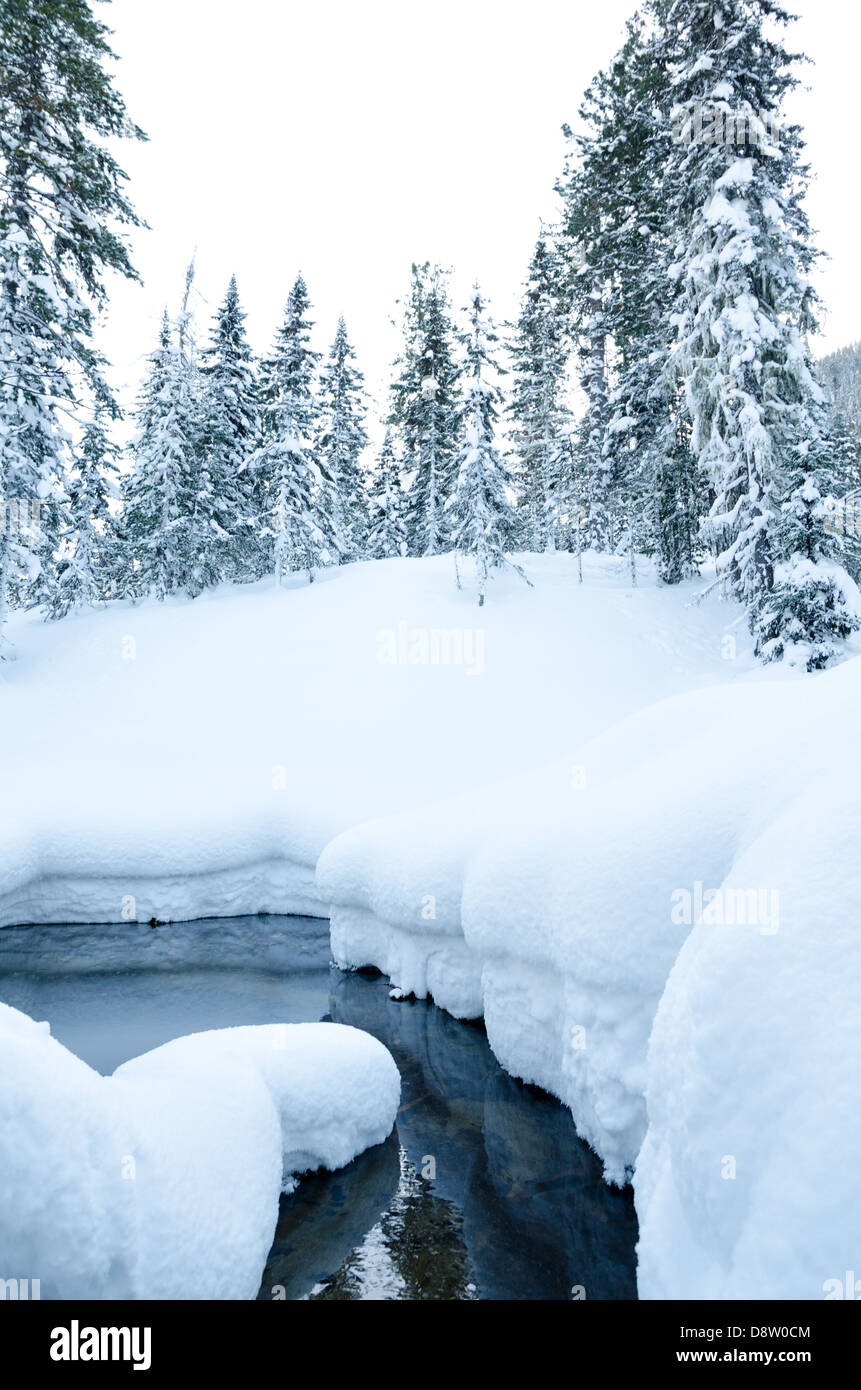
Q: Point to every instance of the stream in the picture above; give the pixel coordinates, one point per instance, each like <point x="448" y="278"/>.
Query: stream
<point x="483" y="1190"/>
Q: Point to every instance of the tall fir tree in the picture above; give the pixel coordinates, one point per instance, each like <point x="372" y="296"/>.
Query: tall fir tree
<point x="811" y="608"/>
<point x="841" y="376"/>
<point x="160" y="492"/>
<point x="211" y="517"/>
<point x="302" y="522"/>
<point x="230" y="433"/>
<point x="90" y="567"/>
<point x="541" y="421"/>
<point x="743" y="309"/>
<point x="588" y="276"/>
<point x="481" y="514"/>
<point x="425" y="410"/>
<point x="386" y="531"/>
<point x="641" y="486"/>
<point x="62" y="206"/>
<point x="343" y="439"/>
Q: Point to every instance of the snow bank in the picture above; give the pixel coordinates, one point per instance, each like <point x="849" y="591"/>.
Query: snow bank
<point x="747" y="1184"/>
<point x="563" y="900"/>
<point x="201" y="754"/>
<point x="545" y="902"/>
<point x="162" y="1181"/>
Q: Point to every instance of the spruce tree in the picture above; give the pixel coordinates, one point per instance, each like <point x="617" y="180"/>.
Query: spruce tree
<point x="386" y="531"/>
<point x="481" y="516"/>
<point x="211" y="514"/>
<point x="812" y="607"/>
<point x="343" y="439"/>
<point x="539" y="351"/>
<point x="641" y="486"/>
<point x="589" y="276"/>
<point x="743" y="308"/>
<point x="89" y="570"/>
<point x="61" y="204"/>
<point x="175" y="521"/>
<point x="301" y="525"/>
<point x="425" y="410"/>
<point x="841" y="375"/>
<point x="229" y="437"/>
<point x="160" y="492"/>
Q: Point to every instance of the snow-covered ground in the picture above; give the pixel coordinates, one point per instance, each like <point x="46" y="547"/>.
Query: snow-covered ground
<point x="703" y="867"/>
<point x="187" y="759"/>
<point x="599" y="825"/>
<point x="162" y="1181"/>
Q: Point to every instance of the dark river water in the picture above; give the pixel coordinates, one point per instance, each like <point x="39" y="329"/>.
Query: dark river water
<point x="482" y="1191"/>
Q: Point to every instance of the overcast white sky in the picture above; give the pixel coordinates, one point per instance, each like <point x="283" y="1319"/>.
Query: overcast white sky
<point x="351" y="137"/>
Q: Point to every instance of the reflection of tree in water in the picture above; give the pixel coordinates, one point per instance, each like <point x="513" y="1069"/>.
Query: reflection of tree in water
<point x="417" y="1250"/>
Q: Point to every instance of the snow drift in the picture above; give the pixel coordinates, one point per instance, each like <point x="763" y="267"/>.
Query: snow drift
<point x="162" y="1181"/>
<point x="558" y="905"/>
<point x="747" y="1184"/>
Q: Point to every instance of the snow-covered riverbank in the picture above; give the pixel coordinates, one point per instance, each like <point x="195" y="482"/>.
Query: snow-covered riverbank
<point x="163" y="1180"/>
<point x="672" y="949"/>
<point x="596" y="823"/>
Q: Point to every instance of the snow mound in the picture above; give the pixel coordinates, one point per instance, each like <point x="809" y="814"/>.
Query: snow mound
<point x="564" y="901"/>
<point x="162" y="1181"/>
<point x="747" y="1184"/>
<point x="545" y="902"/>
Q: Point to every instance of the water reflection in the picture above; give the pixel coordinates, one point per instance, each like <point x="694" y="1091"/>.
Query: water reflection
<point x="412" y="1247"/>
<point x="483" y="1191"/>
<point x="515" y="1206"/>
<point x="114" y="991"/>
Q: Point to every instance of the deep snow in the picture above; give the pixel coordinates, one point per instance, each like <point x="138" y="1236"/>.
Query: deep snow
<point x="188" y="759"/>
<point x="162" y="1180"/>
<point x="706" y="900"/>
<point x="560" y="830"/>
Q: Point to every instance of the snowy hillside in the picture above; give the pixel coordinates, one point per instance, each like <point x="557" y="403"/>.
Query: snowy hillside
<point x="182" y="759"/>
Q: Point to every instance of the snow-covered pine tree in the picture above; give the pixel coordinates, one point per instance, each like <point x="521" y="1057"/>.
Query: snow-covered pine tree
<point x="482" y="517"/>
<point x="813" y="605"/>
<point x="841" y="375"/>
<point x="89" y="568"/>
<point x="301" y="527"/>
<point x="61" y="200"/>
<point x="539" y="351"/>
<point x="743" y="309"/>
<point x="211" y="518"/>
<point x="385" y="505"/>
<point x="640" y="481"/>
<point x="343" y="439"/>
<point x="590" y="191"/>
<point x="229" y="436"/>
<point x="425" y="410"/>
<point x="159" y="493"/>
